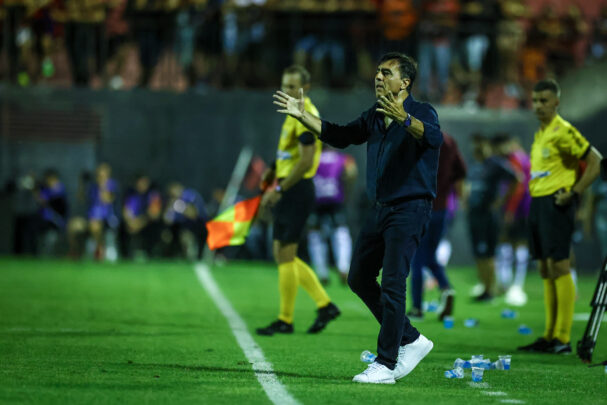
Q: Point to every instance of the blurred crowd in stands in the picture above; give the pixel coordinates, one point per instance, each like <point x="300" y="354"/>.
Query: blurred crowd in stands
<point x="476" y="52"/>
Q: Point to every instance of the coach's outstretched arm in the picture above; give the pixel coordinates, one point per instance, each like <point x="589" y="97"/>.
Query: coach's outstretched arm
<point x="338" y="136"/>
<point x="295" y="107"/>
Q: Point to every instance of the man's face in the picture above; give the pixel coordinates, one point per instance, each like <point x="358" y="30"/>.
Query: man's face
<point x="388" y="79"/>
<point x="103" y="173"/>
<point x="480" y="149"/>
<point x="545" y="103"/>
<point x="291" y="83"/>
<point x="142" y="185"/>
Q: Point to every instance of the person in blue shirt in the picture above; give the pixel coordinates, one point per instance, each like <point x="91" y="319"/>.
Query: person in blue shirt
<point x="52" y="199"/>
<point x="142" y="218"/>
<point x="102" y="210"/>
<point x="185" y="216"/>
<point x="403" y="139"/>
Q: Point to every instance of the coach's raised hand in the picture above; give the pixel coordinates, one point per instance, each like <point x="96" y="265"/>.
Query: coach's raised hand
<point x="391" y="107"/>
<point x="290" y="105"/>
<point x="295" y="107"/>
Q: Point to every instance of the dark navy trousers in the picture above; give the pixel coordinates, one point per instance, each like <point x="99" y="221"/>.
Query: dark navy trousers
<point x="426" y="257"/>
<point x="388" y="240"/>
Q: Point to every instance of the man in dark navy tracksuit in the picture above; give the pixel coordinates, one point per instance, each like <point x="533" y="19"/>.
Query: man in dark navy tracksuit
<point x="403" y="139"/>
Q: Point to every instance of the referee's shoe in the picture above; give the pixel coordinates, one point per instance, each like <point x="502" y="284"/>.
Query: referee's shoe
<point x="541" y="345"/>
<point x="325" y="315"/>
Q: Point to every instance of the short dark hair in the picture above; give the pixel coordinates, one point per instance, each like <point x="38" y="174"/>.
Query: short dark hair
<point x="548" y="84"/>
<point x="304" y="75"/>
<point x="407" y="66"/>
<point x="478" y="137"/>
<point x="500" y="138"/>
<point x="51" y="172"/>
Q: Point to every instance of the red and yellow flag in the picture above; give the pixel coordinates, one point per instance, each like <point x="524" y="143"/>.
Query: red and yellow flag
<point x="231" y="227"/>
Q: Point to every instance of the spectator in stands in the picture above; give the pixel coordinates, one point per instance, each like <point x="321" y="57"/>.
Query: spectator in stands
<point x="185" y="215"/>
<point x="153" y="25"/>
<point x="476" y="27"/>
<point x="83" y="37"/>
<point x="102" y="214"/>
<point x="117" y="32"/>
<point x="208" y="46"/>
<point x="14" y="12"/>
<point x="142" y="212"/>
<point x="398" y="21"/>
<point x="598" y="47"/>
<point x="437" y="30"/>
<point x="53" y="211"/>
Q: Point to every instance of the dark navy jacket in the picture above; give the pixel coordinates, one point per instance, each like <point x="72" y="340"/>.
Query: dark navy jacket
<point x="399" y="166"/>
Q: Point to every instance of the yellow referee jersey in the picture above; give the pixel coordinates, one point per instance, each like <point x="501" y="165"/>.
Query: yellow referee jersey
<point x="287" y="155"/>
<point x="555" y="155"/>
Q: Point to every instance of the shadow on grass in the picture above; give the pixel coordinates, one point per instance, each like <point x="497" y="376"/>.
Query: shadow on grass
<point x="247" y="370"/>
<point x="63" y="333"/>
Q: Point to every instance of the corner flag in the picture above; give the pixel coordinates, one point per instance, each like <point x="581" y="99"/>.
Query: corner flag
<point x="231" y="227"/>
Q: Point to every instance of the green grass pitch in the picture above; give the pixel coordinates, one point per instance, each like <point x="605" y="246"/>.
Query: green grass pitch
<point x="86" y="332"/>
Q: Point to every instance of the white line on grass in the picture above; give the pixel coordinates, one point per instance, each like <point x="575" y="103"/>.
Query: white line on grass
<point x="277" y="392"/>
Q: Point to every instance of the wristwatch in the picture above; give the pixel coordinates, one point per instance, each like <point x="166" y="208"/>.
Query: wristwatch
<point x="278" y="189"/>
<point x="407" y="122"/>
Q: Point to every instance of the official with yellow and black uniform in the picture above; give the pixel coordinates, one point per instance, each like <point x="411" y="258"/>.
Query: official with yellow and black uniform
<point x="292" y="201"/>
<point x="555" y="155"/>
<point x="558" y="147"/>
<point x="297" y="203"/>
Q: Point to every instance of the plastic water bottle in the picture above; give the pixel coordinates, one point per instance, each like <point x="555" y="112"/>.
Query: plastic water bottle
<point x="504" y="361"/>
<point x="508" y="314"/>
<point x="461" y="363"/>
<point x="485" y="364"/>
<point x="455" y="373"/>
<point x="524" y="330"/>
<point x="367" y="357"/>
<point x="432" y="306"/>
<point x="477" y="374"/>
<point x="497" y="365"/>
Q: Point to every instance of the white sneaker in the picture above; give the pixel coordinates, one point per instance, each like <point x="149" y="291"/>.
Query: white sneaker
<point x="376" y="373"/>
<point x="410" y="355"/>
<point x="477" y="290"/>
<point x="516" y="296"/>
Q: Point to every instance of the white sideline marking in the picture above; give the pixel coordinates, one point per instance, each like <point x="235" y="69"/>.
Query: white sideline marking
<point x="586" y="316"/>
<point x="512" y="401"/>
<point x="478" y="384"/>
<point x="277" y="392"/>
<point x="494" y="393"/>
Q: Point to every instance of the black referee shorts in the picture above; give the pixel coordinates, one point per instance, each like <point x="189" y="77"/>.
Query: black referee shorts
<point x="551" y="228"/>
<point x="291" y="212"/>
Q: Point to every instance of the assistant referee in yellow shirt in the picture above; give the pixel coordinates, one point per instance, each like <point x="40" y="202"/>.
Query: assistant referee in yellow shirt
<point x="556" y="152"/>
<point x="292" y="201"/>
